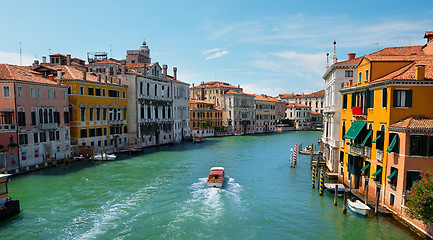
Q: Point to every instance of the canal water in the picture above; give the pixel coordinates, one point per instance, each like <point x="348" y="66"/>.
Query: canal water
<point x="162" y="194"/>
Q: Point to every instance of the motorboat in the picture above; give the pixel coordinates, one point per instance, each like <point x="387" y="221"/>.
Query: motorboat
<point x="358" y="207"/>
<point x="307" y="150"/>
<point x="197" y="139"/>
<point x="330" y="187"/>
<point x="105" y="157"/>
<point x="216" y="177"/>
<point x="8" y="207"/>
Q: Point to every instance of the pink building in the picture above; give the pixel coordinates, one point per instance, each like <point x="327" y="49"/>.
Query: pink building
<point x="34" y="118"/>
<point x="414" y="143"/>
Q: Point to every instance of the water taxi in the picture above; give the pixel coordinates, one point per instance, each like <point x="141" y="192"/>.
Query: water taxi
<point x="358" y="207"/>
<point x="8" y="207"/>
<point x="105" y="157"/>
<point x="216" y="177"/>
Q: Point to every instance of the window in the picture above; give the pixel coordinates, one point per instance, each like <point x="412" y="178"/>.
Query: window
<point x="83" y="114"/>
<point x="393" y="177"/>
<point x="90" y="91"/>
<point x="99" y="132"/>
<point x="35" y="138"/>
<point x="21" y="118"/>
<point x="366" y="75"/>
<point x="98" y="114"/>
<point x="50" y="93"/>
<point x="22" y="139"/>
<point x="81" y="90"/>
<point x="411" y="177"/>
<point x="141" y="88"/>
<point x="56" y="117"/>
<point x="359" y="77"/>
<point x="57" y="135"/>
<point x="97" y="92"/>
<point x="353" y="103"/>
<point x="147" y="89"/>
<point x="393" y="143"/>
<point x="348" y="73"/>
<point x="90" y="114"/>
<point x="20" y="91"/>
<point x="418" y="145"/>
<point x="65" y="94"/>
<point x="33" y="118"/>
<point x="32" y="92"/>
<point x="430" y="146"/>
<point x="125" y="129"/>
<point x="391" y="199"/>
<point x="42" y="137"/>
<point x="156" y="90"/>
<point x="344" y="105"/>
<point x="66" y="117"/>
<point x="103" y="92"/>
<point x="105" y="132"/>
<point x="384" y="97"/>
<point x="83" y="133"/>
<point x="104" y="114"/>
<point x="123" y="94"/>
<point x="402" y="98"/>
<point x="6" y="92"/>
<point x="55" y="94"/>
<point x="370" y="99"/>
<point x="380" y="136"/>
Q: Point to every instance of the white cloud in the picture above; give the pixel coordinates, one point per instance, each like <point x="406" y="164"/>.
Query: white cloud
<point x="210" y="50"/>
<point x="14" y="58"/>
<point x="217" y="54"/>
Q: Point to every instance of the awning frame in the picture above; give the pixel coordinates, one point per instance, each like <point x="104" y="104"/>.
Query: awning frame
<point x="370" y="132"/>
<point x="392" y="174"/>
<point x="354" y="130"/>
<point x="392" y="145"/>
<point x="365" y="167"/>
<point x="377" y="173"/>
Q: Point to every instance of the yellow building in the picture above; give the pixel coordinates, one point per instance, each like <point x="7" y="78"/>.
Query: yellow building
<point x="98" y="109"/>
<point x="390" y="85"/>
<point x="205" y="117"/>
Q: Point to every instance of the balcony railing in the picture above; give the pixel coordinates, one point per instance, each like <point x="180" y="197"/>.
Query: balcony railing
<point x="116" y="122"/>
<point x="358" y="111"/>
<point x="358" y="151"/>
<point x="48" y="126"/>
<point x="8" y="127"/>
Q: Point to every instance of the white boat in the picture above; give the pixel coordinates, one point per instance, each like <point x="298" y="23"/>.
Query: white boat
<point x="307" y="150"/>
<point x="358" y="207"/>
<point x="216" y="177"/>
<point x="105" y="157"/>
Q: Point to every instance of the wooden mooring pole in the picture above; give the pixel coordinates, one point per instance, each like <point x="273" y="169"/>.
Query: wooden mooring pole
<point x="376" y="208"/>
<point x="322" y="182"/>
<point x="335" y="194"/>
<point x="345" y="202"/>
<point x="366" y="193"/>
<point x="313" y="175"/>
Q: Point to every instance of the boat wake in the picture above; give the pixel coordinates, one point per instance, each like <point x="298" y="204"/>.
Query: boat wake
<point x="207" y="206"/>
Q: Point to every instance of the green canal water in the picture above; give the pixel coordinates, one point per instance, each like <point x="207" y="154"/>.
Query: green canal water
<point x="161" y="194"/>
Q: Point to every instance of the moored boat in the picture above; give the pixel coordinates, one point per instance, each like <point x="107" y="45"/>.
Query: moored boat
<point x="358" y="207"/>
<point x="197" y="139"/>
<point x="105" y="157"/>
<point x="307" y="150"/>
<point x="216" y="177"/>
<point x="330" y="187"/>
<point x="8" y="207"/>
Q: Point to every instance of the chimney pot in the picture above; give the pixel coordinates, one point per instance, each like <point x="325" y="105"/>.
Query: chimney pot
<point x="164" y="69"/>
<point x="68" y="59"/>
<point x="420" y="72"/>
<point x="44" y="59"/>
<point x="351" y="56"/>
<point x="175" y="73"/>
<point x="59" y="73"/>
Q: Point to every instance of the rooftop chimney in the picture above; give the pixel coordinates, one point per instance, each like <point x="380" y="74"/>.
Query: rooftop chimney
<point x="59" y="73"/>
<point x="123" y="67"/>
<point x="44" y="59"/>
<point x="35" y="64"/>
<point x="351" y="56"/>
<point x="175" y="73"/>
<point x="84" y="75"/>
<point x="99" y="78"/>
<point x="68" y="59"/>
<point x="420" y="72"/>
<point x="164" y="70"/>
<point x="193" y="91"/>
<point x="145" y="70"/>
<point x="429" y="36"/>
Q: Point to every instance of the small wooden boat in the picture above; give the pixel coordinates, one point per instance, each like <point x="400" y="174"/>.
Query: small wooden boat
<point x="8" y="207"/>
<point x="358" y="207"/>
<point x="105" y="157"/>
<point x="198" y="139"/>
<point x="330" y="187"/>
<point x="216" y="177"/>
<point x="307" y="150"/>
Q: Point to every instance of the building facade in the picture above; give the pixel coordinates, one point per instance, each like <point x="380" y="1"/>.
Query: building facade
<point x="238" y="113"/>
<point x="205" y="118"/>
<point x="265" y="114"/>
<point x="300" y="115"/>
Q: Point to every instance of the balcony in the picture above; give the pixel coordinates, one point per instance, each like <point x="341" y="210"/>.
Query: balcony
<point x="367" y="152"/>
<point x="357" y="151"/>
<point x="116" y="122"/>
<point x="48" y="126"/>
<point x="7" y="127"/>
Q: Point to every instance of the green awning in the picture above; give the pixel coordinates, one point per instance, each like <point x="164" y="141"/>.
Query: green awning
<point x="374" y="141"/>
<point x="365" y="167"/>
<point x="366" y="138"/>
<point x="354" y="130"/>
<point x="392" y="145"/>
<point x="392" y="174"/>
<point x="377" y="172"/>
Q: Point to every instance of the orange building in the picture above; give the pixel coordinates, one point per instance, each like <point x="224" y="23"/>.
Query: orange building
<point x="205" y="118"/>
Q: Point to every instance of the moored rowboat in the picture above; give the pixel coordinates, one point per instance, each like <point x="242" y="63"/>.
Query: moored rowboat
<point x="358" y="207"/>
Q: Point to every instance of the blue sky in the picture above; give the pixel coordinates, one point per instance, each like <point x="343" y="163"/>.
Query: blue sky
<point x="266" y="47"/>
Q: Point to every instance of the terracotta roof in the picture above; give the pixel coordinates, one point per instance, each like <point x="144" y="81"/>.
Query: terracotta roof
<point x="260" y="97"/>
<point x="315" y="113"/>
<point x="397" y="51"/>
<point x="355" y="61"/>
<point x="105" y="62"/>
<point x="320" y="93"/>
<point x="414" y="122"/>
<point x="237" y="93"/>
<point x="13" y="72"/>
<point x="408" y="72"/>
<point x="57" y="54"/>
<point x="216" y="84"/>
<point x="428" y="33"/>
<point x="136" y="65"/>
<point x="192" y="100"/>
<point x="296" y="105"/>
<point x="73" y="73"/>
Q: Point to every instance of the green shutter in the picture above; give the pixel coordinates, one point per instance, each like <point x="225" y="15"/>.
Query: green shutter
<point x="354" y="130"/>
<point x="392" y="144"/>
<point x="392" y="174"/>
<point x="366" y="138"/>
<point x="394" y="98"/>
<point x="377" y="173"/>
<point x="365" y="167"/>
<point x="409" y="98"/>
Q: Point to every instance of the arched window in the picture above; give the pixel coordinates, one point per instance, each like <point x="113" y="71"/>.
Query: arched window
<point x="147" y="88"/>
<point x="45" y="116"/>
<point x="156" y="90"/>
<point x="41" y="116"/>
<point x="141" y="88"/>
<point x="50" y="116"/>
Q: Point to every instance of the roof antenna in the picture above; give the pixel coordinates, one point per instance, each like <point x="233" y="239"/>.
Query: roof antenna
<point x="21" y="57"/>
<point x="111" y="52"/>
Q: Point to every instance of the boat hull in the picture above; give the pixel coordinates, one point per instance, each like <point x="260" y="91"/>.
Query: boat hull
<point x="10" y="209"/>
<point x="105" y="157"/>
<point x="215" y="184"/>
<point x="358" y="207"/>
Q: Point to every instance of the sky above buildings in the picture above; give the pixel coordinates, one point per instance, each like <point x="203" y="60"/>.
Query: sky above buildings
<point x="266" y="47"/>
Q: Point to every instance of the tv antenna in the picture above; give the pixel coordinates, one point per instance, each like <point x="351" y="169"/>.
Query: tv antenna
<point x="21" y="57"/>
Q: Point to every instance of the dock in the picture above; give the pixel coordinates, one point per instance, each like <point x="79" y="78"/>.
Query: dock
<point x="332" y="175"/>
